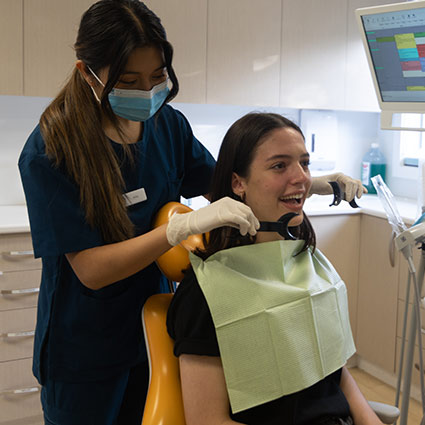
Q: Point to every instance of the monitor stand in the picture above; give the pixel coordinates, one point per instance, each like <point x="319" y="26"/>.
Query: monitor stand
<point x="387" y="122"/>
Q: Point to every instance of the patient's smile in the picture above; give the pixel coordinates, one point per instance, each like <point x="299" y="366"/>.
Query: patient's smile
<point x="293" y="199"/>
<point x="279" y="178"/>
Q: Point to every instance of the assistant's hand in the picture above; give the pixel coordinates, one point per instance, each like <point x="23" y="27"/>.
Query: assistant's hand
<point x="224" y="212"/>
<point x="351" y="187"/>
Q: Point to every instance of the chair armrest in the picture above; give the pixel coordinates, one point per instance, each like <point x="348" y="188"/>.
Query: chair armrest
<point x="386" y="413"/>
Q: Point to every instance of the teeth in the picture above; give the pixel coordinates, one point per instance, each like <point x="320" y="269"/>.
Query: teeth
<point x="299" y="196"/>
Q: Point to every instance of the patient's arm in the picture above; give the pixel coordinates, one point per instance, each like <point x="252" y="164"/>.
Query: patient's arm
<point x="204" y="390"/>
<point x="360" y="410"/>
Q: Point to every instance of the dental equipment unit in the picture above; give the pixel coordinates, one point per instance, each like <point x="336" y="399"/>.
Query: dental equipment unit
<point x="405" y="240"/>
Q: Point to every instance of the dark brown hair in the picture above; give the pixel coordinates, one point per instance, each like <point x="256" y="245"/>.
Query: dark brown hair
<point x="236" y="155"/>
<point x="72" y="125"/>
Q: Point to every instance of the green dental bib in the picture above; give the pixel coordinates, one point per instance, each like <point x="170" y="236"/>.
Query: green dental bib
<point x="281" y="320"/>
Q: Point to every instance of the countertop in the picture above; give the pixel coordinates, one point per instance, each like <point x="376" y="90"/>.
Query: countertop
<point x="14" y="218"/>
<point x="369" y="204"/>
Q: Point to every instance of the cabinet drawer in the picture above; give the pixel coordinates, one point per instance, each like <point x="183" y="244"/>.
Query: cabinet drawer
<point x="400" y="314"/>
<point x="19" y="391"/>
<point x="416" y="380"/>
<point x="16" y="253"/>
<point x="17" y="333"/>
<point x="19" y="289"/>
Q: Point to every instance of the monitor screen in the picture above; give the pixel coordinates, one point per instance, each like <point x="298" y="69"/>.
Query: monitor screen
<point x="395" y="40"/>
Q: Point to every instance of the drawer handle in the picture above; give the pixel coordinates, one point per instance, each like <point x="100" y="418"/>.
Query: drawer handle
<point x="24" y="291"/>
<point x="22" y="334"/>
<point x="391" y="249"/>
<point x="19" y="253"/>
<point x="417" y="367"/>
<point x="19" y="391"/>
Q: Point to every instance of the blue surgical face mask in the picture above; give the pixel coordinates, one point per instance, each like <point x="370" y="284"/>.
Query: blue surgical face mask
<point x="136" y="105"/>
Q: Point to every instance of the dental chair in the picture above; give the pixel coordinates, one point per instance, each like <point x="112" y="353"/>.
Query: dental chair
<point x="164" y="402"/>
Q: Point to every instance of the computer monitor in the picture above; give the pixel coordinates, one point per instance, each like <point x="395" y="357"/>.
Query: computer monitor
<point x="394" y="39"/>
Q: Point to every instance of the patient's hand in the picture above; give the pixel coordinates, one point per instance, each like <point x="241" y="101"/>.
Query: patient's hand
<point x="351" y="187"/>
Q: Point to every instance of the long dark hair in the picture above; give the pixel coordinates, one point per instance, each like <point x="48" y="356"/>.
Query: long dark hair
<point x="72" y="125"/>
<point x="236" y="155"/>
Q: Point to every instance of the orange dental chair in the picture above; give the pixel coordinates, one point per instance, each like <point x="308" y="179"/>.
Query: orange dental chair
<point x="164" y="402"/>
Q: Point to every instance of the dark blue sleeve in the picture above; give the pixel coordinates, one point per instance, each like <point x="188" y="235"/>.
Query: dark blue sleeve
<point x="57" y="221"/>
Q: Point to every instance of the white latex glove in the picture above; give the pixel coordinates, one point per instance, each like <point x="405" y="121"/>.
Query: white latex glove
<point x="351" y="187"/>
<point x="224" y="212"/>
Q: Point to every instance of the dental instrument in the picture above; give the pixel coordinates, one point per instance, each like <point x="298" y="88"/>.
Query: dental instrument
<point x="280" y="226"/>
<point x="339" y="196"/>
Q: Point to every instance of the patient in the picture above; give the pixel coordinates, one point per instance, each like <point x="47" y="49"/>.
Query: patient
<point x="260" y="324"/>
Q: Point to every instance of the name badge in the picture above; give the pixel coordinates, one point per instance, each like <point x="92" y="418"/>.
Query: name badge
<point x="135" y="196"/>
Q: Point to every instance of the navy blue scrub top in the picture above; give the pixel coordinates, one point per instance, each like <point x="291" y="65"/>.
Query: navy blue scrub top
<point x="81" y="334"/>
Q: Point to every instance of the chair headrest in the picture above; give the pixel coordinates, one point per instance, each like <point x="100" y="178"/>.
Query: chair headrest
<point x="176" y="259"/>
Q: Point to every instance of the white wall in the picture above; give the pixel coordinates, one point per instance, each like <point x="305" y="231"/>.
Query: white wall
<point x="18" y="117"/>
<point x="210" y="122"/>
<point x="355" y="131"/>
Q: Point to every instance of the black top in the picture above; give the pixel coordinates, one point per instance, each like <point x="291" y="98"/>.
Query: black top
<point x="190" y="324"/>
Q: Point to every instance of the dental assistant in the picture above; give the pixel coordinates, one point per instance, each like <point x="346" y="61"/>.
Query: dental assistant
<point x="108" y="153"/>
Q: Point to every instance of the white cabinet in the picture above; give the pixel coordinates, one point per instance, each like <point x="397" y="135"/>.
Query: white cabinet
<point x="359" y="90"/>
<point x="377" y="296"/>
<point x="243" y="52"/>
<point x="403" y="278"/>
<point x="338" y="237"/>
<point x="288" y="53"/>
<point x="185" y="22"/>
<point x="50" y="31"/>
<point x="11" y="47"/>
<point x="20" y="276"/>
<point x="313" y="54"/>
<point x="415" y="369"/>
<point x="22" y="407"/>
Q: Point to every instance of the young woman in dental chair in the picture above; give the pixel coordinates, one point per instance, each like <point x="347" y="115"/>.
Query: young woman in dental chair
<point x="261" y="323"/>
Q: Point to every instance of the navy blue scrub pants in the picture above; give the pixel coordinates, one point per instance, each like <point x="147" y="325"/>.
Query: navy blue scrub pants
<point x="117" y="401"/>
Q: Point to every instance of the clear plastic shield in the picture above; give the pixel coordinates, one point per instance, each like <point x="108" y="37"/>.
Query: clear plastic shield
<point x="388" y="202"/>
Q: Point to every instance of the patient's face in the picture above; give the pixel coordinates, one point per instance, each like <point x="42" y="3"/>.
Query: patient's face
<point x="279" y="179"/>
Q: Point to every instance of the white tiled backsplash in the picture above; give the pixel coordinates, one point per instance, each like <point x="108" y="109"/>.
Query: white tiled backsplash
<point x="355" y="131"/>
